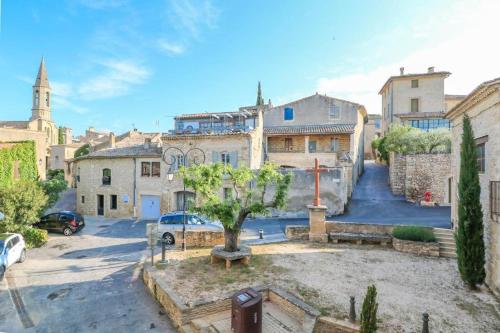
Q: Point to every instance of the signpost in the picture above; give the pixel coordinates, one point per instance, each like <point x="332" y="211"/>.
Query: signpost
<point x="152" y="232"/>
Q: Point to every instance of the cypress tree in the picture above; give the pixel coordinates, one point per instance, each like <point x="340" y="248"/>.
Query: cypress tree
<point x="469" y="236"/>
<point x="369" y="311"/>
<point x="60" y="136"/>
<point x="260" y="100"/>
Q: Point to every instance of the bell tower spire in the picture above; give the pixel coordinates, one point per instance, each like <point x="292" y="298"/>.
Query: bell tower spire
<point x="41" y="95"/>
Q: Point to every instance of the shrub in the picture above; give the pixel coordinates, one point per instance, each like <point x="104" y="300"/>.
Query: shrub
<point x="55" y="174"/>
<point x="34" y="237"/>
<point x="369" y="311"/>
<point x="22" y="203"/>
<point x="414" y="233"/>
<point x="52" y="188"/>
<point x="83" y="150"/>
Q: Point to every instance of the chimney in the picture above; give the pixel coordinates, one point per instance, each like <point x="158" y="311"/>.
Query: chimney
<point x="112" y="140"/>
<point x="401" y="71"/>
<point x="430" y="69"/>
<point x="147" y="143"/>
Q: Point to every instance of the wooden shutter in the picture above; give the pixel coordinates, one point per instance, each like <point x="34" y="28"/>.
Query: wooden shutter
<point x="234" y="159"/>
<point x="215" y="157"/>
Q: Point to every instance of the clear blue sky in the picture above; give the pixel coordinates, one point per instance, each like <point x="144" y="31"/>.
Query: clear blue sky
<point x="114" y="63"/>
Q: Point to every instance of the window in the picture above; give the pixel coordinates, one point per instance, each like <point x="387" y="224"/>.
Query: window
<point x="83" y="199"/>
<point x="414" y="83"/>
<point x="288" y="114"/>
<point x="414" y="105"/>
<point x="429" y="124"/>
<point x="228" y="193"/>
<point x="78" y="175"/>
<point x="65" y="218"/>
<point x="335" y="144"/>
<point x="14" y="241"/>
<point x="288" y="144"/>
<point x="495" y="198"/>
<point x="47" y="96"/>
<point x="146" y="169"/>
<point x="225" y="158"/>
<point x="106" y="177"/>
<point x="377" y="123"/>
<point x="37" y="98"/>
<point x="334" y="112"/>
<point x="481" y="157"/>
<point x="113" y="201"/>
<point x="155" y="169"/>
<point x="312" y="146"/>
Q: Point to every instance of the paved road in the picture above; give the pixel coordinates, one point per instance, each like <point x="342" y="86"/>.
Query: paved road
<point x="88" y="282"/>
<point x="373" y="202"/>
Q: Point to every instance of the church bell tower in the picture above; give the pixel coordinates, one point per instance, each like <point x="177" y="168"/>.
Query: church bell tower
<point x="41" y="95"/>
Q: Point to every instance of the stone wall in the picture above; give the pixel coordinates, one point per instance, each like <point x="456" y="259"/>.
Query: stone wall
<point x="418" y="248"/>
<point x="297" y="232"/>
<point x="334" y="226"/>
<point x="414" y="174"/>
<point x="200" y="238"/>
<point x="331" y="325"/>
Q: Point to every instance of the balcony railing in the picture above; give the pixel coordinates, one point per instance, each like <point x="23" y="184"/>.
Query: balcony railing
<point x="214" y="129"/>
<point x="286" y="150"/>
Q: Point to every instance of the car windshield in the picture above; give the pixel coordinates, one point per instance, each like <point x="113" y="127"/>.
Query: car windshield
<point x="2" y="244"/>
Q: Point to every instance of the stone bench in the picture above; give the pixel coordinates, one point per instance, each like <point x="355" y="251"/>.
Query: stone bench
<point x="243" y="255"/>
<point x="383" y="239"/>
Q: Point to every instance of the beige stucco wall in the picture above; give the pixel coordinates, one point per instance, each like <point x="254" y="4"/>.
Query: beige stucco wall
<point x="396" y="97"/>
<point x="485" y="120"/>
<point x="371" y="132"/>
<point x="60" y="153"/>
<point x="311" y="111"/>
<point x="16" y="135"/>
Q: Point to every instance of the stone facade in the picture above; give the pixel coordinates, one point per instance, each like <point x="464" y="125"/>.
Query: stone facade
<point x="60" y="153"/>
<point x="483" y="108"/>
<point x="373" y="130"/>
<point x="419" y="248"/>
<point x="414" y="174"/>
<point x="332" y="325"/>
<point x="200" y="238"/>
<point x="40" y="122"/>
<point x="399" y="91"/>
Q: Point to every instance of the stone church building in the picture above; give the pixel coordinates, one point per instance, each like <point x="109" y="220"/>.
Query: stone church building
<point x="40" y="127"/>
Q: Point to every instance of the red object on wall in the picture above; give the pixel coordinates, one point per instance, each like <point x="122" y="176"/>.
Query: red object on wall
<point x="427" y="196"/>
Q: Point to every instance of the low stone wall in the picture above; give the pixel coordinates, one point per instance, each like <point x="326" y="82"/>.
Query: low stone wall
<point x="297" y="232"/>
<point x="331" y="325"/>
<point x="418" y="248"/>
<point x="362" y="228"/>
<point x="397" y="173"/>
<point x="200" y="238"/>
<point x="181" y="314"/>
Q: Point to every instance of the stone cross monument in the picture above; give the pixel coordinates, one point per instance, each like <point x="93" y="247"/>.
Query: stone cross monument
<point x="317" y="226"/>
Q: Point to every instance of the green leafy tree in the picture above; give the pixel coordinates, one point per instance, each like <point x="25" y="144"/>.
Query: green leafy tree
<point x="469" y="236"/>
<point x="60" y="135"/>
<point x="53" y="187"/>
<point x="401" y="139"/>
<point x="249" y="194"/>
<point x="260" y="99"/>
<point x="369" y="311"/>
<point x="83" y="150"/>
<point x="21" y="203"/>
<point x="380" y="145"/>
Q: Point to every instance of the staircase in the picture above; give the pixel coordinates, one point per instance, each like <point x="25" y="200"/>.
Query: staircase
<point x="446" y="242"/>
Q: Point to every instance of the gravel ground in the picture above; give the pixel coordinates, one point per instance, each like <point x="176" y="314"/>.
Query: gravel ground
<point x="326" y="275"/>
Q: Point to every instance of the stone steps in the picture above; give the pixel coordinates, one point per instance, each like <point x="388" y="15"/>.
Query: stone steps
<point x="446" y="240"/>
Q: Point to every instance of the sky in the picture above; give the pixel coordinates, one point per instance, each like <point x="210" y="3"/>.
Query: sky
<point x="122" y="64"/>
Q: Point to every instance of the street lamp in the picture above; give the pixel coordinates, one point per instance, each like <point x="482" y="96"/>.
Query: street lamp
<point x="176" y="157"/>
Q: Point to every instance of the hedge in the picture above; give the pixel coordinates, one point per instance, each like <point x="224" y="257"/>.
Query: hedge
<point x="414" y="233"/>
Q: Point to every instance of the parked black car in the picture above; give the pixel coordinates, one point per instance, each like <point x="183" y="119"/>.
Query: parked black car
<point x="65" y="222"/>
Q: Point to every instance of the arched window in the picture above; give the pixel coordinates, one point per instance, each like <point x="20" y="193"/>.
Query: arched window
<point x="106" y="176"/>
<point x="47" y="97"/>
<point x="37" y="97"/>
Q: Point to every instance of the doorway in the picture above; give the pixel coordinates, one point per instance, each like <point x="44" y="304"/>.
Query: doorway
<point x="100" y="204"/>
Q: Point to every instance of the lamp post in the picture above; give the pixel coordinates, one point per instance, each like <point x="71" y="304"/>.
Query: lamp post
<point x="176" y="157"/>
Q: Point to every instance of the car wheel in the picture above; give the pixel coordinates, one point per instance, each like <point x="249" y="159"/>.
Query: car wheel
<point x="168" y="238"/>
<point x="22" y="257"/>
<point x="67" y="232"/>
<point x="2" y="272"/>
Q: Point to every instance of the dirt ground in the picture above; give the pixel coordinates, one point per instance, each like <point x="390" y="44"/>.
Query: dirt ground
<point x="324" y="276"/>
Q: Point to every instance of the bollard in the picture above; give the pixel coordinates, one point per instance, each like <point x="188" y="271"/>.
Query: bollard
<point x="352" y="311"/>
<point x="163" y="251"/>
<point x="261" y="234"/>
<point x="425" y="327"/>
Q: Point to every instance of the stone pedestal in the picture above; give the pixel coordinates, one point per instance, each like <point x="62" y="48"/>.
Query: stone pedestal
<point x="317" y="225"/>
<point x="243" y="255"/>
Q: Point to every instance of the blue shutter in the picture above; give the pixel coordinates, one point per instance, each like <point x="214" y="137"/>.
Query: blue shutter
<point x="288" y="114"/>
<point x="233" y="158"/>
<point x="215" y="157"/>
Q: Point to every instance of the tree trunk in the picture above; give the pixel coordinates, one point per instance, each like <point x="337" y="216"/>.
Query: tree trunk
<point x="231" y="240"/>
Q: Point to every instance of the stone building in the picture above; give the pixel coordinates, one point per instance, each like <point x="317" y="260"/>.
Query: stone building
<point x="39" y="122"/>
<point x="317" y="126"/>
<point x="373" y="130"/>
<point x="417" y="100"/>
<point x="482" y="106"/>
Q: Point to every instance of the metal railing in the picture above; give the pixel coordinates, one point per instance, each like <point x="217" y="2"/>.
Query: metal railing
<point x="495" y="198"/>
<point x="291" y="149"/>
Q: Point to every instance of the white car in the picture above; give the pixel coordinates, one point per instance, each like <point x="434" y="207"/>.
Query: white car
<point x="12" y="250"/>
<point x="169" y="223"/>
